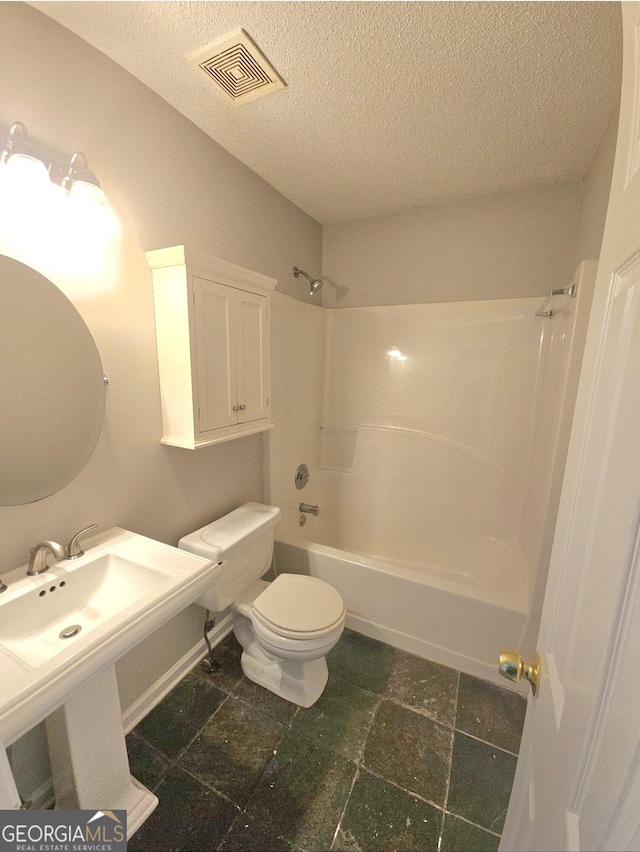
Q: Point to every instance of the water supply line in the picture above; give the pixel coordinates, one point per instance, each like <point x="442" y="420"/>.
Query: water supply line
<point x="209" y="665"/>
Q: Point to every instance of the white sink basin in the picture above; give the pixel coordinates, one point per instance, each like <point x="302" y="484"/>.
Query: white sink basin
<point x="39" y="625"/>
<point x="110" y="599"/>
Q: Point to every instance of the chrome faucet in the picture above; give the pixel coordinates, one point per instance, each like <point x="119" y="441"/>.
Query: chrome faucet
<point x="312" y="510"/>
<point x="38" y="558"/>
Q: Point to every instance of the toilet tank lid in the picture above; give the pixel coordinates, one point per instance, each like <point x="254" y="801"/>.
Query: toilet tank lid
<point x="233" y="530"/>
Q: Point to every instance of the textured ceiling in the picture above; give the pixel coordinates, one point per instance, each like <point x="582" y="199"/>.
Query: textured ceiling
<point x="387" y="105"/>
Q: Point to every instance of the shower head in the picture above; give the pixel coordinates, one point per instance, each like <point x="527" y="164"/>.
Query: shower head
<point x="314" y="283"/>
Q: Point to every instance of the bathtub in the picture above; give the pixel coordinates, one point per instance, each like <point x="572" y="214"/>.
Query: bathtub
<point x="453" y="617"/>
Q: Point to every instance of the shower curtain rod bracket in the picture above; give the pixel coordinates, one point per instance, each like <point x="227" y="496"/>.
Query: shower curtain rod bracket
<point x="570" y="291"/>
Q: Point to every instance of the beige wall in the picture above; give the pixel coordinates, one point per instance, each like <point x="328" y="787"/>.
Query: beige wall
<point x="169" y="183"/>
<point x="504" y="246"/>
<point x="594" y="198"/>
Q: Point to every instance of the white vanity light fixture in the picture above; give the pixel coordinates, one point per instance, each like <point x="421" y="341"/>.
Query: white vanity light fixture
<point x="88" y="216"/>
<point x="54" y="216"/>
<point x="24" y="175"/>
<point x="29" y="200"/>
<point x="17" y="159"/>
<point x="81" y="182"/>
<point x="31" y="163"/>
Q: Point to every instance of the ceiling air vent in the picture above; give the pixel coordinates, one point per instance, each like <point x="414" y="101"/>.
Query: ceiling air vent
<point x="239" y="68"/>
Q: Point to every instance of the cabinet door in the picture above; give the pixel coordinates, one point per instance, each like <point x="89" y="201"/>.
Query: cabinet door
<point x="215" y="351"/>
<point x="252" y="357"/>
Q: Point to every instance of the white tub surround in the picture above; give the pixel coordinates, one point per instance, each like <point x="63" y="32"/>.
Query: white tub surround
<point x="442" y="444"/>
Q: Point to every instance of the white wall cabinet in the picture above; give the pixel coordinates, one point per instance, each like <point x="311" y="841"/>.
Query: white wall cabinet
<point x="214" y="353"/>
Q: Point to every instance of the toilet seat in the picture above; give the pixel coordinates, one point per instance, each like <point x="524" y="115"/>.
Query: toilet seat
<point x="298" y="607"/>
<point x="299" y="648"/>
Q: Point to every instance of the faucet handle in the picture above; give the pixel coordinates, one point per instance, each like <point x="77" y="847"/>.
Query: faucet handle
<point x="74" y="551"/>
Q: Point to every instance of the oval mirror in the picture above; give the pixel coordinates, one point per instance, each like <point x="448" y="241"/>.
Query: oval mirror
<point x="52" y="387"/>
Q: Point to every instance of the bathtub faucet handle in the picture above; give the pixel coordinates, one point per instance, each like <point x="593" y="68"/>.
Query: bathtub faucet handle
<point x="311" y="510"/>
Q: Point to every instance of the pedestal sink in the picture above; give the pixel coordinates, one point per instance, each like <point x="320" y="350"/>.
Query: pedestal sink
<point x="60" y="635"/>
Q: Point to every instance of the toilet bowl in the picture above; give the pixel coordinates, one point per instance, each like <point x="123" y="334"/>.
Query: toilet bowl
<point x="280" y="651"/>
<point x="285" y="627"/>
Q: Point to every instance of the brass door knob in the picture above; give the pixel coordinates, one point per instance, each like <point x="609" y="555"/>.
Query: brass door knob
<point x="513" y="667"/>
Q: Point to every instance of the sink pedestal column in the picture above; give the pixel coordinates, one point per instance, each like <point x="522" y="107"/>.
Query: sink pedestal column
<point x="9" y="796"/>
<point x="89" y="762"/>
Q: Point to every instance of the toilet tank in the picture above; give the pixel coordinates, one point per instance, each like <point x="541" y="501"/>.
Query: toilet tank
<point x="243" y="542"/>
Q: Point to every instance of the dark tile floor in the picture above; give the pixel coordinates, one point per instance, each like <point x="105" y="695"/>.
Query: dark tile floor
<point x="398" y="754"/>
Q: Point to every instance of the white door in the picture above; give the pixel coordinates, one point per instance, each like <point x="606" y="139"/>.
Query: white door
<point x="577" y="786"/>
<point x="252" y="357"/>
<point x="215" y="354"/>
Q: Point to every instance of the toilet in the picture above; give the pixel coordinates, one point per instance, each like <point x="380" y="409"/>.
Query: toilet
<point x="285" y="627"/>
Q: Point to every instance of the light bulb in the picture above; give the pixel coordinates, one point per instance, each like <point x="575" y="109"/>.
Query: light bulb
<point x="87" y="192"/>
<point x="91" y="237"/>
<point x="26" y="174"/>
<point x="27" y="209"/>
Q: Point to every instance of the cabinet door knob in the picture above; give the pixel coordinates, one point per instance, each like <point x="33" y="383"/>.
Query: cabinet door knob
<point x="242" y="407"/>
<point x="235" y="408"/>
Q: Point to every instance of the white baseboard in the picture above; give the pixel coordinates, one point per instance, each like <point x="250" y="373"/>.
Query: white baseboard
<point x="428" y="651"/>
<point x="157" y="691"/>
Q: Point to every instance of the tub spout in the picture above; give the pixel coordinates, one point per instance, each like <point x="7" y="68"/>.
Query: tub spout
<point x="312" y="510"/>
